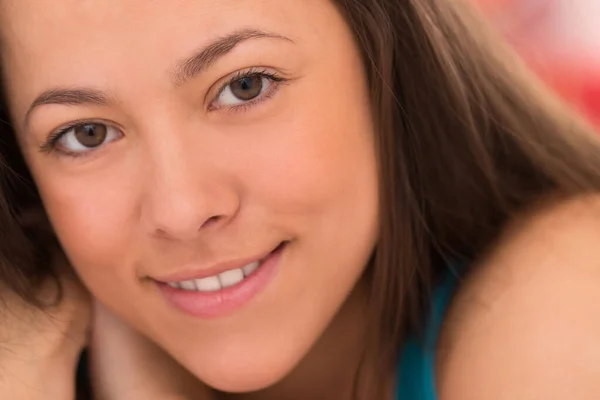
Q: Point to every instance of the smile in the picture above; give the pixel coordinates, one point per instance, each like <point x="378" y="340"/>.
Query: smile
<point x="220" y="281"/>
<point x="215" y="294"/>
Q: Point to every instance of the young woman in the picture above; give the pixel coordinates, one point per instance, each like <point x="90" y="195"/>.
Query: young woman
<point x="306" y="199"/>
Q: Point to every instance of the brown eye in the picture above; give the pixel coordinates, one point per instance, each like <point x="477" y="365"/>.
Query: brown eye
<point x="90" y="135"/>
<point x="84" y="138"/>
<point x="247" y="88"/>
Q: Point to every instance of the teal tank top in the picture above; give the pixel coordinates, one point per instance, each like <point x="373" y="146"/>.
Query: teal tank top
<point x="416" y="369"/>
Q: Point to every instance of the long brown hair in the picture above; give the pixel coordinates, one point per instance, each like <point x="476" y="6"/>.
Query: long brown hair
<point x="466" y="137"/>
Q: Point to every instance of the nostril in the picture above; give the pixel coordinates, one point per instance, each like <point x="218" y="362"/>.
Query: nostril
<point x="211" y="221"/>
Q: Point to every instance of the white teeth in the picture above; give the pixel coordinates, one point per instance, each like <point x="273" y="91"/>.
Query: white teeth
<point x="250" y="268"/>
<point x="188" y="285"/>
<point x="210" y="284"/>
<point x="214" y="283"/>
<point x="231" y="277"/>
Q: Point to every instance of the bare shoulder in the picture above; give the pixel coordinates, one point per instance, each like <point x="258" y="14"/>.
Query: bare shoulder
<point x="526" y="324"/>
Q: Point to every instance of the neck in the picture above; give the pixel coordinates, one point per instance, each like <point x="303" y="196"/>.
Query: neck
<point x="329" y="370"/>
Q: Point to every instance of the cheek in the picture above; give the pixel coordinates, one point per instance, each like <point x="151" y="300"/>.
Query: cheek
<point x="318" y="180"/>
<point x="320" y="160"/>
<point x="93" y="219"/>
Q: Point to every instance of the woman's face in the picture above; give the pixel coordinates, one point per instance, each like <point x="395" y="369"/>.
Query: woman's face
<point x="208" y="166"/>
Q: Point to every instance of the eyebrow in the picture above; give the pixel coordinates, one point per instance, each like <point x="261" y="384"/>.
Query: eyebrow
<point x="210" y="54"/>
<point x="69" y="97"/>
<point x="184" y="71"/>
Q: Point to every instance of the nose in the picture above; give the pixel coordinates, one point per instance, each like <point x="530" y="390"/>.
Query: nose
<point x="184" y="197"/>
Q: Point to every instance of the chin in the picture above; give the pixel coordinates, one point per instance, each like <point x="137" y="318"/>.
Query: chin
<point x="249" y="372"/>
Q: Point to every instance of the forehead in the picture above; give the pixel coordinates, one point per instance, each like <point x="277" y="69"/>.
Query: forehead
<point x="75" y="17"/>
<point x="75" y="42"/>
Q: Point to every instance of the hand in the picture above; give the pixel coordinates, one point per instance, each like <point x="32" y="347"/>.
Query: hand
<point x="125" y="365"/>
<point x="39" y="348"/>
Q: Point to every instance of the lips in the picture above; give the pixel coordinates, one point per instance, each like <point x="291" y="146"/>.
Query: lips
<point x="225" y="289"/>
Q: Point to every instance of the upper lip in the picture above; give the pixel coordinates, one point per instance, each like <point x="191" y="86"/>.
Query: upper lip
<point x="191" y="272"/>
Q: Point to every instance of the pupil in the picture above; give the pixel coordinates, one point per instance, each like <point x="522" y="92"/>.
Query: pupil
<point x="246" y="83"/>
<point x="247" y="88"/>
<point x="89" y="130"/>
<point x="91" y="135"/>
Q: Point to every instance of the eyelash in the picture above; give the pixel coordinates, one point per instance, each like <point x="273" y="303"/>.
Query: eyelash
<point x="50" y="145"/>
<point x="251" y="73"/>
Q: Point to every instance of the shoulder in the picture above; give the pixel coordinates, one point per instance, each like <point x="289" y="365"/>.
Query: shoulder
<point x="526" y="324"/>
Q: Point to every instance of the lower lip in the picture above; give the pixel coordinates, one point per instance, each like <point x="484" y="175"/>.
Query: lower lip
<point x="225" y="301"/>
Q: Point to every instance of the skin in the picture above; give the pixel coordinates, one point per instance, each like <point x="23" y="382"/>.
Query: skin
<point x="525" y="326"/>
<point x="143" y="370"/>
<point x="187" y="183"/>
<point x="40" y="348"/>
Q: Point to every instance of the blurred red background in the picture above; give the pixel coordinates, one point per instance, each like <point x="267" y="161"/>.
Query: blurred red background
<point x="560" y="39"/>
